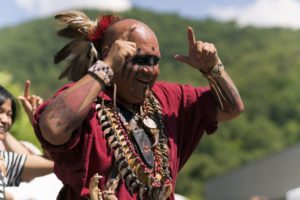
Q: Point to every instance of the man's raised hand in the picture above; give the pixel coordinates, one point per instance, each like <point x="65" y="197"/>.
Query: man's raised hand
<point x="121" y="51"/>
<point x="202" y="55"/>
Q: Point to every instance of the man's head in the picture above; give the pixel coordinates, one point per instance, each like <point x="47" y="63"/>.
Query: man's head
<point x="140" y="72"/>
<point x="92" y="41"/>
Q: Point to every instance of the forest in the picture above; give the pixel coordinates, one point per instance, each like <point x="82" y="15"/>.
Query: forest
<point x="264" y="64"/>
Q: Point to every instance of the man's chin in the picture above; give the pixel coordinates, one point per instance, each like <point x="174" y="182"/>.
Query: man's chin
<point x="137" y="98"/>
<point x="134" y="96"/>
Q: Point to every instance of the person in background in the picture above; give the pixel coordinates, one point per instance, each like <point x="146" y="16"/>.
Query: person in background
<point x="30" y="103"/>
<point x="18" y="163"/>
<point x="114" y="122"/>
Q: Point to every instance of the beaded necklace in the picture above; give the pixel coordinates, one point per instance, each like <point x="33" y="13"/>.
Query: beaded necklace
<point x="151" y="183"/>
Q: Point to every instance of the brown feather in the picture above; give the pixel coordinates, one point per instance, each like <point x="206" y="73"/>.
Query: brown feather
<point x="68" y="50"/>
<point x="69" y="33"/>
<point x="75" y="23"/>
<point x="80" y="54"/>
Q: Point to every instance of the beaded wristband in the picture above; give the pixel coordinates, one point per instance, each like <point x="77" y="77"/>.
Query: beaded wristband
<point x="212" y="77"/>
<point x="101" y="72"/>
<point x="215" y="71"/>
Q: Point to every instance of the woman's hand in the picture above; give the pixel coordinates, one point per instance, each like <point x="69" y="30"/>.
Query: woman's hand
<point x="30" y="102"/>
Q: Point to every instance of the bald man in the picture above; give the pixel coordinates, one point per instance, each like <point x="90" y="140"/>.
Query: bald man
<point x="119" y="125"/>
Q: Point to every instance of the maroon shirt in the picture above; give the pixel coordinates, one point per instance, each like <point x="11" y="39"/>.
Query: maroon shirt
<point x="188" y="112"/>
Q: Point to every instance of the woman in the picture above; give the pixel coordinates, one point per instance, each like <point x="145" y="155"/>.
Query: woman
<point x="17" y="167"/>
<point x="30" y="103"/>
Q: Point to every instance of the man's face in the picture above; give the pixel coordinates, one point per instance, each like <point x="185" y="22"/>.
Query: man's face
<point x="140" y="72"/>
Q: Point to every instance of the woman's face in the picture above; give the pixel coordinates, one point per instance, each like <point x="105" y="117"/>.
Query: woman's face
<point x="5" y="118"/>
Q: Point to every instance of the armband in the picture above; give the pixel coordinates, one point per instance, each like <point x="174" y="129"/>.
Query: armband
<point x="216" y="71"/>
<point x="101" y="72"/>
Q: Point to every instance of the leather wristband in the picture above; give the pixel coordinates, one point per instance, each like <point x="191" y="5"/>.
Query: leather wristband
<point x="101" y="72"/>
<point x="215" y="71"/>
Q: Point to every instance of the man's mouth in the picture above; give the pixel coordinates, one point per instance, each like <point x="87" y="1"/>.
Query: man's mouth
<point x="143" y="78"/>
<point x="144" y="81"/>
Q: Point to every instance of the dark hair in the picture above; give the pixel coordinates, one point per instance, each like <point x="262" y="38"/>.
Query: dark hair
<point x="5" y="95"/>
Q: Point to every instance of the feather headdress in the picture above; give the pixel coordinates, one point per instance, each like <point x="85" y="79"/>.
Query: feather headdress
<point x="80" y="51"/>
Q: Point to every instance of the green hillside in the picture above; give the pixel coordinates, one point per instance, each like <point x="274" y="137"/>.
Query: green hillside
<point x="264" y="63"/>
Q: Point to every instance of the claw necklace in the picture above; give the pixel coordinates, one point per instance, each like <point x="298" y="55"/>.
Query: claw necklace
<point x="150" y="182"/>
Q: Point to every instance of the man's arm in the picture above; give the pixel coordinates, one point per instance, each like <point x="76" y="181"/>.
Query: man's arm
<point x="66" y="112"/>
<point x="230" y="104"/>
<point x="203" y="56"/>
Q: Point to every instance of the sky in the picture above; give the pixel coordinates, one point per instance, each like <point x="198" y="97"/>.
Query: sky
<point x="260" y="13"/>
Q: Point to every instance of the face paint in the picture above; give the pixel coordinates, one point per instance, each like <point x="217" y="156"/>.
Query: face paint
<point x="138" y="51"/>
<point x="140" y="72"/>
<point x="145" y="60"/>
<point x="127" y="70"/>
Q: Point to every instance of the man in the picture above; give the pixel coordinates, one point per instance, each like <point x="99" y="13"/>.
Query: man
<point x="138" y="133"/>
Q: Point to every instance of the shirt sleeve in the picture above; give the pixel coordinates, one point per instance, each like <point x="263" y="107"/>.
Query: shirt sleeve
<point x="189" y="112"/>
<point x="70" y="159"/>
<point x="2" y="186"/>
<point x="14" y="167"/>
<point x="45" y="144"/>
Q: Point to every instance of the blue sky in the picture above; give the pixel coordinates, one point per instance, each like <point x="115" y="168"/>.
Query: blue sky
<point x="189" y="8"/>
<point x="261" y="13"/>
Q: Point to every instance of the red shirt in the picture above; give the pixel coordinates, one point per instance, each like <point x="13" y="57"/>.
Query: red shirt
<point x="188" y="112"/>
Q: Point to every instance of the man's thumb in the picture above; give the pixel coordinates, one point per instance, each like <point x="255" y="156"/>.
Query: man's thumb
<point x="180" y="58"/>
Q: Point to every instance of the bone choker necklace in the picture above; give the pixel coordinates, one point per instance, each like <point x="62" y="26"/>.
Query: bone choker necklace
<point x="150" y="182"/>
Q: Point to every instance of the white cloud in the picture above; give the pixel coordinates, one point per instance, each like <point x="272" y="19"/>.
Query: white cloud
<point x="38" y="8"/>
<point x="262" y="13"/>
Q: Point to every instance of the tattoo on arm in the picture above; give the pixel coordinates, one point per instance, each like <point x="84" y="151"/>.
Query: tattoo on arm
<point x="67" y="111"/>
<point x="225" y="91"/>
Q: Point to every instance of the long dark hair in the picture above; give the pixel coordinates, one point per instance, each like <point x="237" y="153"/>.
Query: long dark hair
<point x="5" y="95"/>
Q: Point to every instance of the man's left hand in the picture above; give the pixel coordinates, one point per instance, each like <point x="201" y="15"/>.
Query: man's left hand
<point x="202" y="55"/>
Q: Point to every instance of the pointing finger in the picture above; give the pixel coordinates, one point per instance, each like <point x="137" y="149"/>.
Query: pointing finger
<point x="191" y="36"/>
<point x="127" y="33"/>
<point x="27" y="89"/>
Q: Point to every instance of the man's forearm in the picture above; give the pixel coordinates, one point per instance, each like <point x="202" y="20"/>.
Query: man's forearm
<point x="66" y="112"/>
<point x="225" y="91"/>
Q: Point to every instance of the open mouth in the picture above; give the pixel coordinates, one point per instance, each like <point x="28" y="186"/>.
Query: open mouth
<point x="143" y="81"/>
<point x="143" y="78"/>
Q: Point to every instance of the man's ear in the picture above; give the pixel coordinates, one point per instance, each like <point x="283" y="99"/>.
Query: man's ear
<point x="104" y="52"/>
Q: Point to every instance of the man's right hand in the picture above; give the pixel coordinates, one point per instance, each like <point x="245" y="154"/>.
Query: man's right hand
<point x="121" y="51"/>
